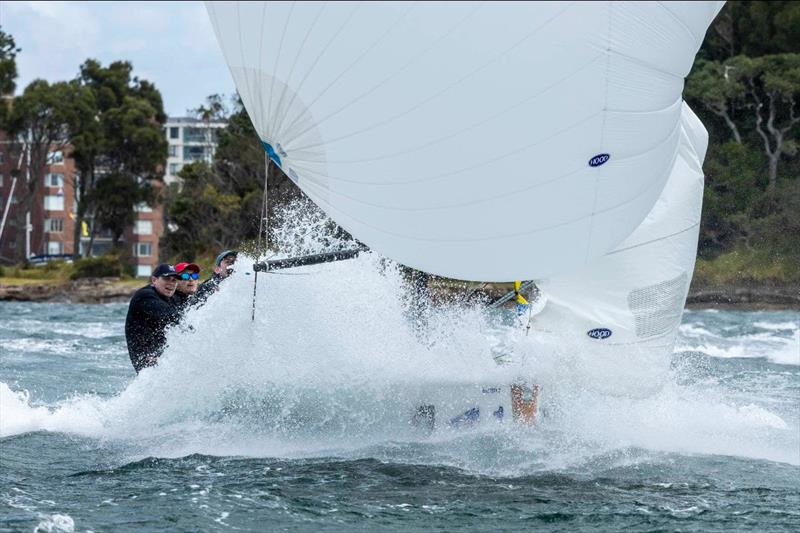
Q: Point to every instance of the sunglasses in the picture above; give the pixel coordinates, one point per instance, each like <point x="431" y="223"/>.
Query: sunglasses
<point x="193" y="275"/>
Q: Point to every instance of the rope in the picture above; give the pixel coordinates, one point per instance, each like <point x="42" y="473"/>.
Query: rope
<point x="263" y="227"/>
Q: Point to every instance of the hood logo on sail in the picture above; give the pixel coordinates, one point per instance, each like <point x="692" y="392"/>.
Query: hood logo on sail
<point x="599" y="333"/>
<point x="599" y="159"/>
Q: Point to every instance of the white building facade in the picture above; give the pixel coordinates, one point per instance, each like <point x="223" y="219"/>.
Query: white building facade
<point x="190" y="139"/>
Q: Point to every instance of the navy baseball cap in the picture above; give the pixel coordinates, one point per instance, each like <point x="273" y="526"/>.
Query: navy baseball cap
<point x="165" y="271"/>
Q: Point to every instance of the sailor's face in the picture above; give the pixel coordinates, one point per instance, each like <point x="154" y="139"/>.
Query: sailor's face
<point x="188" y="286"/>
<point x="165" y="286"/>
<point x="225" y="266"/>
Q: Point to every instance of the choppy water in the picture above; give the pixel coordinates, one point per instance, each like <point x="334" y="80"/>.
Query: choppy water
<point x="289" y="423"/>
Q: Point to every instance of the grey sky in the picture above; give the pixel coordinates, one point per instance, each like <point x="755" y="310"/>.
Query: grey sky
<point x="171" y="44"/>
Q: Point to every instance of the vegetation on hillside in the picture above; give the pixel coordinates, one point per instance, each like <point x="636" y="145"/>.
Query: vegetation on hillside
<point x="745" y="86"/>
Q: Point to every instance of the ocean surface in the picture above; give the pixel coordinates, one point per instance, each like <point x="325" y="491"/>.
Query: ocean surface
<point x="289" y="422"/>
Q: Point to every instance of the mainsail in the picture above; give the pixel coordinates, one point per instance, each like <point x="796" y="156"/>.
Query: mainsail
<point x="478" y="141"/>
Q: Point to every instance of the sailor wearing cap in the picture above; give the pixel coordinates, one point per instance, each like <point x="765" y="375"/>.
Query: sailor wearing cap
<point x="151" y="311"/>
<point x="223" y="267"/>
<point x="185" y="294"/>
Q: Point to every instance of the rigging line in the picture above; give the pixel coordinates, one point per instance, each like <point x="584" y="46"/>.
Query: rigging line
<point x="296" y="91"/>
<point x="268" y="127"/>
<point x="263" y="224"/>
<point x="457" y="82"/>
<point x="366" y="51"/>
<point x="300" y="49"/>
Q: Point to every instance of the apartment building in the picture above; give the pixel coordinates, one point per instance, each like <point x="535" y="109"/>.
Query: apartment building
<point x="190" y="139"/>
<point x="49" y="228"/>
<point x="48" y="231"/>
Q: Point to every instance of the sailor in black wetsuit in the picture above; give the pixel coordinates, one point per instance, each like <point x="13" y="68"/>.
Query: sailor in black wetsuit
<point x="223" y="267"/>
<point x="151" y="310"/>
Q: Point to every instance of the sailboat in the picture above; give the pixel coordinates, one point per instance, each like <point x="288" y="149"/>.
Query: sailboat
<point x="495" y="142"/>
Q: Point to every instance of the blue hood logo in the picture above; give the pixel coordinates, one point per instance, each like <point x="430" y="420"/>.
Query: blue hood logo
<point x="599" y="333"/>
<point x="599" y="159"/>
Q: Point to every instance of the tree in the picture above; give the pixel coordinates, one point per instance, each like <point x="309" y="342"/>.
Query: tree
<point x="753" y="28"/>
<point x="773" y="87"/>
<point x="716" y="90"/>
<point x="8" y="72"/>
<point x="756" y="97"/>
<point x="121" y="145"/>
<point x="8" y="63"/>
<point x="38" y="125"/>
<point x="219" y="205"/>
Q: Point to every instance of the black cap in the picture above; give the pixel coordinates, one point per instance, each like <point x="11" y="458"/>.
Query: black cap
<point x="165" y="271"/>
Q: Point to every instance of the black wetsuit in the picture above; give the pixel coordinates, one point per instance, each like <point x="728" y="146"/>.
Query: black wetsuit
<point x="149" y="314"/>
<point x="183" y="301"/>
<point x="208" y="287"/>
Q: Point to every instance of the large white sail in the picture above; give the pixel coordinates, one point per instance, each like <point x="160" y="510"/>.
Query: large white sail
<point x="480" y="141"/>
<point x="626" y="307"/>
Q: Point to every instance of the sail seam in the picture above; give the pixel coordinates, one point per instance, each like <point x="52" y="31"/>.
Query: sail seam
<point x="473" y="239"/>
<point x="443" y="90"/>
<point x="654" y="240"/>
<point x="603" y="150"/>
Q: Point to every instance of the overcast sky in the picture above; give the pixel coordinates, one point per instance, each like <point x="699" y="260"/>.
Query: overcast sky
<point x="169" y="43"/>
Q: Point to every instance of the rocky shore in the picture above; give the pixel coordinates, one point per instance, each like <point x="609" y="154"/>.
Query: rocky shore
<point x="749" y="295"/>
<point x="89" y="290"/>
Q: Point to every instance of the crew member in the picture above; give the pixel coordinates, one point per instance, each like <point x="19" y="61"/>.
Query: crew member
<point x="151" y="311"/>
<point x="223" y="267"/>
<point x="185" y="294"/>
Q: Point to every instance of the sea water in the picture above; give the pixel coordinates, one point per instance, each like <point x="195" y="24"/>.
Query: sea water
<point x="297" y="420"/>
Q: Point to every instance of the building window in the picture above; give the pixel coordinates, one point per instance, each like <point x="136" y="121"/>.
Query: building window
<point x="54" y="179"/>
<point x="143" y="227"/>
<point x="2" y="158"/>
<point x="143" y="271"/>
<point x="173" y="150"/>
<point x="142" y="249"/>
<point x="194" y="153"/>
<point x="2" y="179"/>
<point x="55" y="158"/>
<point x="54" y="225"/>
<point x="142" y="207"/>
<point x="174" y="168"/>
<point x="54" y="202"/>
<point x="174" y="133"/>
<point x="55" y="248"/>
<point x="196" y="135"/>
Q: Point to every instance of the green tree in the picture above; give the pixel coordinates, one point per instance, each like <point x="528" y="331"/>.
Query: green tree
<point x="122" y="144"/>
<point x="753" y="28"/>
<point x="219" y="205"/>
<point x="8" y="63"/>
<point x="8" y="73"/>
<point x="38" y="126"/>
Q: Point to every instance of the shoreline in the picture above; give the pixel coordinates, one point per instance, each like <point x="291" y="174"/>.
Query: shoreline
<point x="745" y="296"/>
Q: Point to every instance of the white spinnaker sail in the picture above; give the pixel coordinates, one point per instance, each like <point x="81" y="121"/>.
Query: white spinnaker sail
<point x="479" y="141"/>
<point x="628" y="304"/>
